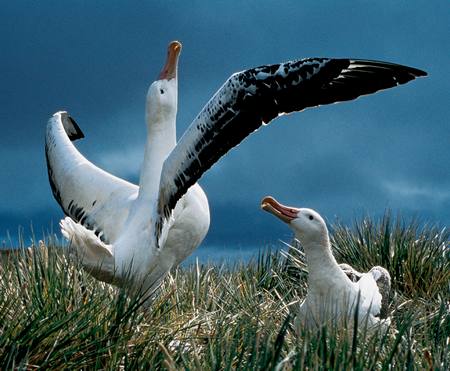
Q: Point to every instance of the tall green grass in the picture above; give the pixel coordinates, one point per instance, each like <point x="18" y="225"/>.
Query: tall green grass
<point x="55" y="316"/>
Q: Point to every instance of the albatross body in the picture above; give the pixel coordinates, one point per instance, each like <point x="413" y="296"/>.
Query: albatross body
<point x="331" y="296"/>
<point x="120" y="228"/>
<point x="111" y="222"/>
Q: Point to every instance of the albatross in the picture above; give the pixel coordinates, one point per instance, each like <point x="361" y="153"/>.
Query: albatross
<point x="123" y="230"/>
<point x="333" y="295"/>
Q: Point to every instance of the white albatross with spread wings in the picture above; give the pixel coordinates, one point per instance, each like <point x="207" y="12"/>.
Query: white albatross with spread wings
<point x="332" y="295"/>
<point x="121" y="229"/>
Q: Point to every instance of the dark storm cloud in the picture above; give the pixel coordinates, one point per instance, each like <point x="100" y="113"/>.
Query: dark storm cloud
<point x="97" y="60"/>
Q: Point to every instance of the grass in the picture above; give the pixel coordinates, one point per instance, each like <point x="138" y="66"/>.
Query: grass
<point x="55" y="316"/>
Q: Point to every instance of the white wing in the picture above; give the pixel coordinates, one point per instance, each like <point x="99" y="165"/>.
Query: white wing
<point x="370" y="295"/>
<point x="90" y="196"/>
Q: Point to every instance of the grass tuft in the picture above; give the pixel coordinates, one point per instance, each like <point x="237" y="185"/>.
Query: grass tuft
<point x="55" y="316"/>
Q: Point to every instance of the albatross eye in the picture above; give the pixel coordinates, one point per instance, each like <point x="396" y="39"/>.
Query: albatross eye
<point x="161" y="91"/>
<point x="311" y="217"/>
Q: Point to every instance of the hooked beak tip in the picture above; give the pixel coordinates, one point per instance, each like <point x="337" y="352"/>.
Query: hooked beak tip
<point x="285" y="213"/>
<point x="169" y="70"/>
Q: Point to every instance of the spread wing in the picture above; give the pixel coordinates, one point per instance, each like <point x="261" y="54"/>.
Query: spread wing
<point x="253" y="97"/>
<point x="90" y="196"/>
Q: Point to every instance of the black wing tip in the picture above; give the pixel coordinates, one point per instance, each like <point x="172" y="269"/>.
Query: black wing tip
<point x="71" y="127"/>
<point x="419" y="73"/>
<point x="413" y="72"/>
<point x="77" y="133"/>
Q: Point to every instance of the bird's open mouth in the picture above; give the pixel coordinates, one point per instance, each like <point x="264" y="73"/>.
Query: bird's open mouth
<point x="285" y="213"/>
<point x="169" y="70"/>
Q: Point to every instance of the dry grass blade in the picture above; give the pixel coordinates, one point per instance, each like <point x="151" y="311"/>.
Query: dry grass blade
<point x="55" y="316"/>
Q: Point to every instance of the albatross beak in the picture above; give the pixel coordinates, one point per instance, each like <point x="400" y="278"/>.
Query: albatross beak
<point x="169" y="70"/>
<point x="285" y="213"/>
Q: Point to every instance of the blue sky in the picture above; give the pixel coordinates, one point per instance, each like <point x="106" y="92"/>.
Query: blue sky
<point x="97" y="59"/>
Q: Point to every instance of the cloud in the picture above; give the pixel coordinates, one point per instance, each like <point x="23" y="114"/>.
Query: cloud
<point x="407" y="191"/>
<point x="126" y="161"/>
<point x="386" y="150"/>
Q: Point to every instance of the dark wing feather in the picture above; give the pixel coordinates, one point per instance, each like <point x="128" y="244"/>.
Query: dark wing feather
<point x="256" y="96"/>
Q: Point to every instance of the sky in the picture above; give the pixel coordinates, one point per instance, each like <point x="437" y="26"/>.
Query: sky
<point x="96" y="59"/>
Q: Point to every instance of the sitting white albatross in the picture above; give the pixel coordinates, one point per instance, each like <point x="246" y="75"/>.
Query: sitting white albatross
<point x="119" y="228"/>
<point x="332" y="296"/>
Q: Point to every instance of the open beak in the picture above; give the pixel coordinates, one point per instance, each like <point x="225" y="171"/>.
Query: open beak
<point x="169" y="70"/>
<point x="285" y="213"/>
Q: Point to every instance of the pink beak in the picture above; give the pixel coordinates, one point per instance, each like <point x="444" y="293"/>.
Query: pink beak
<point x="169" y="70"/>
<point x="285" y="213"/>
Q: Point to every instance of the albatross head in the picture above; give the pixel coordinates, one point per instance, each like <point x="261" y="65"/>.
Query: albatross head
<point x="307" y="224"/>
<point x="162" y="96"/>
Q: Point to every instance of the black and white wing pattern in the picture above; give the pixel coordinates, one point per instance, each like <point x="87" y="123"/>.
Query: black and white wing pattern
<point x="256" y="96"/>
<point x="90" y="196"/>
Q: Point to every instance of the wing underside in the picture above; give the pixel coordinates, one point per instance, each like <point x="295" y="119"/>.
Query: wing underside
<point x="87" y="194"/>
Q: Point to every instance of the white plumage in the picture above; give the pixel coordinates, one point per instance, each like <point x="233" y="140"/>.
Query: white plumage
<point x="111" y="222"/>
<point x="122" y="230"/>
<point x="331" y="297"/>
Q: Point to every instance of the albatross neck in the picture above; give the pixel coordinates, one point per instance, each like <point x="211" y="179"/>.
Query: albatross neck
<point x="322" y="266"/>
<point x="161" y="139"/>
